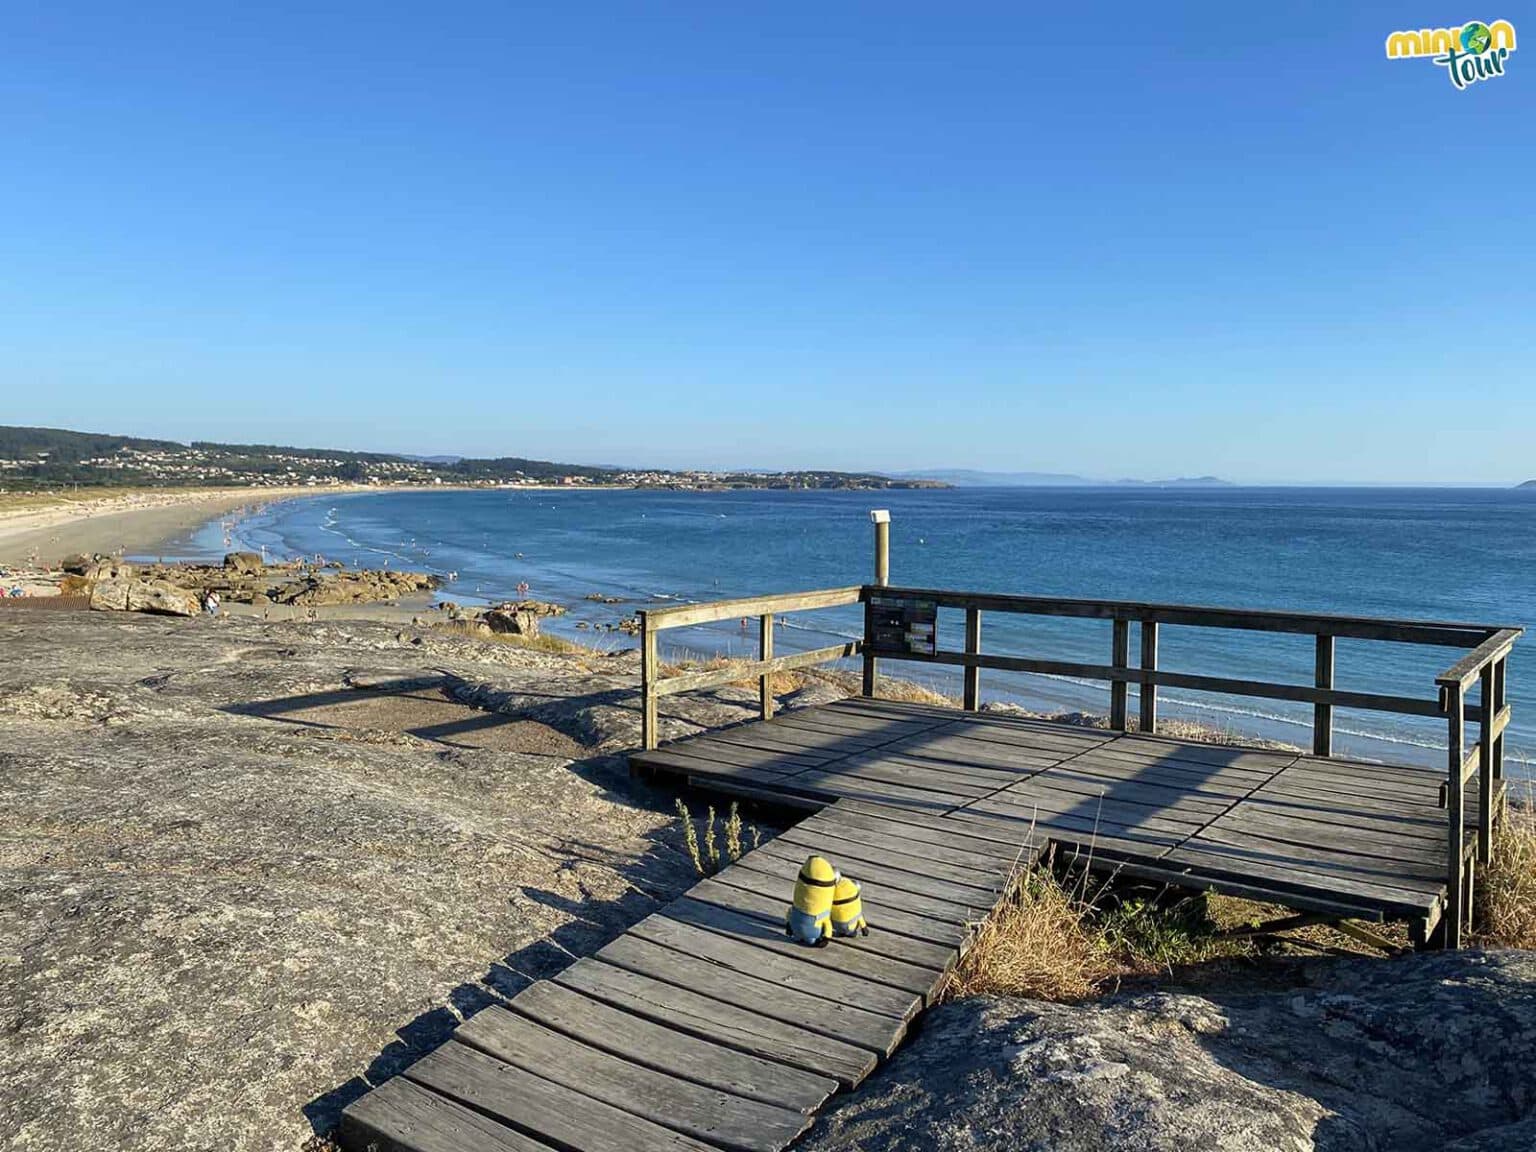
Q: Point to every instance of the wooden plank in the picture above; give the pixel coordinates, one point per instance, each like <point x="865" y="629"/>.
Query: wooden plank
<point x="650" y="729"/>
<point x="768" y="935"/>
<point x="1147" y="699"/>
<point x="1414" y="875"/>
<point x="788" y="969"/>
<point x="729" y="1025"/>
<point x="665" y="1049"/>
<point x="686" y="615"/>
<point x="1459" y="676"/>
<point x="1128" y="814"/>
<point x="770" y="909"/>
<point x="761" y="992"/>
<point x="721" y="759"/>
<point x="920" y="829"/>
<point x="401" y="1116"/>
<point x="1005" y="841"/>
<point x="888" y="917"/>
<point x="876" y="768"/>
<point x="821" y="837"/>
<point x="1322" y="714"/>
<point x="1454" y="634"/>
<point x="972" y="688"/>
<point x="1369" y="840"/>
<point x="1164" y="798"/>
<point x="1120" y="658"/>
<point x="876" y="892"/>
<point x="834" y="784"/>
<point x="961" y="897"/>
<point x="934" y="846"/>
<point x="765" y="657"/>
<point x="1220" y="860"/>
<point x="540" y="1107"/>
<point x="709" y="1114"/>
<point x="1180" y="877"/>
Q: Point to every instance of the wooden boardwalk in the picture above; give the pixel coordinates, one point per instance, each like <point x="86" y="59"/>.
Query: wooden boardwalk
<point x="703" y="1027"/>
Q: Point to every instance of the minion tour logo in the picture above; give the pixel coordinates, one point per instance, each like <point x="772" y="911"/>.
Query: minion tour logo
<point x="1473" y="52"/>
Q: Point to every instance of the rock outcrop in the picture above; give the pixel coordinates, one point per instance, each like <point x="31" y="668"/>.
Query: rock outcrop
<point x="242" y="865"/>
<point x="1410" y="1055"/>
<point x="245" y="563"/>
<point x="156" y="596"/>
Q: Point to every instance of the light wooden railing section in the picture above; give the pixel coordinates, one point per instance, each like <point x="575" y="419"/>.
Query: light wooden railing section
<point x="653" y="685"/>
<point x="1484" y="666"/>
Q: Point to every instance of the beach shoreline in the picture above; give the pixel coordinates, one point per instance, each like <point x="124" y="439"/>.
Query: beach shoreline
<point x="147" y="521"/>
<point x="133" y="522"/>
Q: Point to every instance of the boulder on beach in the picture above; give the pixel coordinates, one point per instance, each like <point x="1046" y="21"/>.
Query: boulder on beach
<point x="110" y="596"/>
<point x="76" y="565"/>
<point x="514" y="622"/>
<point x="245" y="563"/>
<point x="156" y="596"/>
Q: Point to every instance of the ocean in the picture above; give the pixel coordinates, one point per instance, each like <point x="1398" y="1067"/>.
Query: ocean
<point x="1448" y="554"/>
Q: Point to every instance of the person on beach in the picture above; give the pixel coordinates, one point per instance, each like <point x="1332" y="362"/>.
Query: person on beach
<point x="211" y="602"/>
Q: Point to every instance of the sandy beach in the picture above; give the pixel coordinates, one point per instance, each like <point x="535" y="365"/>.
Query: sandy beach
<point x="125" y="522"/>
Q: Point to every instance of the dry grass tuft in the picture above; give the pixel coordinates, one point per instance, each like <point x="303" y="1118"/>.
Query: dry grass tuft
<point x="708" y="858"/>
<point x="1506" y="890"/>
<point x="1036" y="943"/>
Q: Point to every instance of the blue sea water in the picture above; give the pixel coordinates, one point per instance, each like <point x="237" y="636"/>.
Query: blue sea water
<point x="1445" y="554"/>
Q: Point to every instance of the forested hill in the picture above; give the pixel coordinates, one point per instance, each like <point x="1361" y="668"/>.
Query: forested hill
<point x="51" y="457"/>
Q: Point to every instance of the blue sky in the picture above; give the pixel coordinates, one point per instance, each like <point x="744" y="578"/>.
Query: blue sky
<point x="1129" y="243"/>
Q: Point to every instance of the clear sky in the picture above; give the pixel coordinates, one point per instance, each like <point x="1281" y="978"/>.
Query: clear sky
<point x="1133" y="243"/>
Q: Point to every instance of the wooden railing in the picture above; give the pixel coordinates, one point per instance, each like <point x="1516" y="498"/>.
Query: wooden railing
<point x="653" y="685"/>
<point x="1483" y="668"/>
<point x="1485" y="665"/>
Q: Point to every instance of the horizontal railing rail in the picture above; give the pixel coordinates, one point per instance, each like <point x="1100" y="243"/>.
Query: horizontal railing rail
<point x="653" y="685"/>
<point x="1484" y="665"/>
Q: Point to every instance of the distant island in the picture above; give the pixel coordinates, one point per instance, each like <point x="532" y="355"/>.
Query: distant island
<point x="1527" y="484"/>
<point x="32" y="458"/>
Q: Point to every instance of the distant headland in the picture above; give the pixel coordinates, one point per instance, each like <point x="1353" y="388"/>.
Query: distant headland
<point x="32" y="458"/>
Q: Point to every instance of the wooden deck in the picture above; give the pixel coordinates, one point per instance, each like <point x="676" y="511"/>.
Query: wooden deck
<point x="1325" y="835"/>
<point x="703" y="1027"/>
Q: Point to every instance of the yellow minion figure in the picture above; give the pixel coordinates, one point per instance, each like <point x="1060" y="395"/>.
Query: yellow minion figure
<point x="848" y="909"/>
<point x="810" y="916"/>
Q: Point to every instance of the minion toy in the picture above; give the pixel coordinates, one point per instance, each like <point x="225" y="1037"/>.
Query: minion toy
<point x="810" y="916"/>
<point x="848" y="909"/>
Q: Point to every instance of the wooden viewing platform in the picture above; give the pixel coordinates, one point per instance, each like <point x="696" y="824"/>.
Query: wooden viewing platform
<point x="703" y="1027"/>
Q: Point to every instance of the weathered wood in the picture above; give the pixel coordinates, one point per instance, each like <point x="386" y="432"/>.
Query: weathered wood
<point x="401" y="1116"/>
<point x="550" y="1111"/>
<point x="747" y="670"/>
<point x="710" y="1114"/>
<point x="885" y="908"/>
<point x="1120" y="657"/>
<point x="686" y="615"/>
<point x="1322" y="714"/>
<point x="765" y="657"/>
<point x="650" y="735"/>
<point x="770" y="909"/>
<point x="665" y="1049"/>
<point x="1147" y="698"/>
<point x="972" y="690"/>
<point x="791" y="993"/>
<point x="684" y="1009"/>
<point x="977" y="883"/>
<point x="757" y="956"/>
<point x="1460" y="675"/>
<point x="1455" y="826"/>
<point x="1446" y="633"/>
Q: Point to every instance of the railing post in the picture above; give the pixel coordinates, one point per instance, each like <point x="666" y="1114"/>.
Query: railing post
<point x="1485" y="741"/>
<point x="1120" y="657"/>
<point x="1499" y="701"/>
<point x="765" y="653"/>
<point x="881" y="519"/>
<point x="972" y="647"/>
<point x="1322" y="714"/>
<point x="1455" y="795"/>
<point x="1148" y="693"/>
<point x="648" y="669"/>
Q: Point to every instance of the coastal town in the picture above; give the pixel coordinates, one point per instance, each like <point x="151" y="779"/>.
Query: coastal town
<point x="40" y="459"/>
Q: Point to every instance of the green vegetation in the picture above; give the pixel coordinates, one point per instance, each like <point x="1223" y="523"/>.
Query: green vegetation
<point x="40" y="458"/>
<point x="708" y="859"/>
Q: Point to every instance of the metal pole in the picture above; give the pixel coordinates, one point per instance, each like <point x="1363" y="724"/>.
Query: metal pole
<point x="882" y="520"/>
